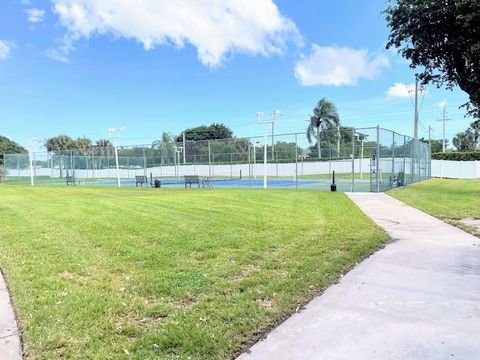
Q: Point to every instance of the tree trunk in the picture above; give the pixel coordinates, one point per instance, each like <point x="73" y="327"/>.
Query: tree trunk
<point x="318" y="143"/>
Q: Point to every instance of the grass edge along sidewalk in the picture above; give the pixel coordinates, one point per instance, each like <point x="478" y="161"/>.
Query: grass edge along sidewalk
<point x="117" y="273"/>
<point x="450" y="200"/>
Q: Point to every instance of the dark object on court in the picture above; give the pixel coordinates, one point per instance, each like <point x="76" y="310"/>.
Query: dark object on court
<point x="158" y="183"/>
<point x="333" y="186"/>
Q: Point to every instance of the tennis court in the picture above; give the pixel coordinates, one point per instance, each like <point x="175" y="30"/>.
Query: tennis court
<point x="368" y="159"/>
<point x="322" y="184"/>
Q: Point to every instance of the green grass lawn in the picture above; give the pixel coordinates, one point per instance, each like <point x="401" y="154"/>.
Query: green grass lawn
<point x="448" y="199"/>
<point x="106" y="273"/>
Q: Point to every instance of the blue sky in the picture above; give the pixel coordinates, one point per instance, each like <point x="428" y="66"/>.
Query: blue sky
<point x="78" y="67"/>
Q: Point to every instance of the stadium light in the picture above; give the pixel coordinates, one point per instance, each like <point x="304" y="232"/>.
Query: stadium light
<point x="112" y="131"/>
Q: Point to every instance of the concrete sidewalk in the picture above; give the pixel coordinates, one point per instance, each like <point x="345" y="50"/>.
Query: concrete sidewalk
<point x="418" y="298"/>
<point x="10" y="348"/>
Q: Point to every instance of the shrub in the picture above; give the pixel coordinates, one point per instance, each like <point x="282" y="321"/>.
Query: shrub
<point x="457" y="155"/>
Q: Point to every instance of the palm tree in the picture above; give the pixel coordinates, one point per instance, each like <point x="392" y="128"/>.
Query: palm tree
<point x="325" y="116"/>
<point x="475" y="126"/>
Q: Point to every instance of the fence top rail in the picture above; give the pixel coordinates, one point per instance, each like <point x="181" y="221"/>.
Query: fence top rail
<point x="99" y="151"/>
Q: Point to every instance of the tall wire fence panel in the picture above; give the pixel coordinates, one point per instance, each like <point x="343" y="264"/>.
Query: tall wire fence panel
<point x="357" y="159"/>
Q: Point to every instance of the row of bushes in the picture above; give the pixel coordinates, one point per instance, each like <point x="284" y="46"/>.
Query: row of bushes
<point x="457" y="155"/>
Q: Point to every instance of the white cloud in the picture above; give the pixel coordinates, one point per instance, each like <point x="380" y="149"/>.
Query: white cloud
<point x="57" y="55"/>
<point x="216" y="28"/>
<point x="333" y="65"/>
<point x="401" y="90"/>
<point x="5" y="48"/>
<point x="442" y="104"/>
<point x="35" y="15"/>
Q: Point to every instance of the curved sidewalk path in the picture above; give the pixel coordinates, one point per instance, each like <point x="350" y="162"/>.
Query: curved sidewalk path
<point x="10" y="348"/>
<point x="418" y="298"/>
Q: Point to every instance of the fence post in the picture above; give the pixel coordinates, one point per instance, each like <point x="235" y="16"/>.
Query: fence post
<point x="393" y="158"/>
<point x="209" y="161"/>
<point x="377" y="180"/>
<point x="145" y="161"/>
<point x="249" y="164"/>
<point x="352" y="189"/>
<point x="404" y="158"/>
<point x="296" y="162"/>
<point x="34" y="168"/>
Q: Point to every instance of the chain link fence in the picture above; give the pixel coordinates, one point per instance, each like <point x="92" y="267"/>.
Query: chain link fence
<point x="363" y="159"/>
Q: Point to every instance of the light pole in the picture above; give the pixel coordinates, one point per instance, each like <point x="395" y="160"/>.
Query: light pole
<point x="274" y="113"/>
<point x="115" y="139"/>
<point x="31" y="142"/>
<point x="361" y="153"/>
<point x="265" y="124"/>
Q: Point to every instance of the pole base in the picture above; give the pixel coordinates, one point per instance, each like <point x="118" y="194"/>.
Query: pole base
<point x="333" y="187"/>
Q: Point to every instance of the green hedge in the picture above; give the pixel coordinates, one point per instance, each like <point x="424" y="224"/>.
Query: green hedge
<point x="457" y="155"/>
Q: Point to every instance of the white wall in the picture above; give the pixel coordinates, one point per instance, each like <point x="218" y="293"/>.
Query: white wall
<point x="456" y="169"/>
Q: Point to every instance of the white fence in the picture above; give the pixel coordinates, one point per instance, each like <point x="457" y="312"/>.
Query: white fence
<point x="456" y="169"/>
<point x="281" y="169"/>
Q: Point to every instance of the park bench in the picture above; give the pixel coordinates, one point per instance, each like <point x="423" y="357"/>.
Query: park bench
<point x="71" y="180"/>
<point x="192" y="179"/>
<point x="140" y="180"/>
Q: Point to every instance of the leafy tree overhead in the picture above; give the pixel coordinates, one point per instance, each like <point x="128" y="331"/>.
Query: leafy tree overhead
<point x="442" y="38"/>
<point x="325" y="116"/>
<point x="211" y="132"/>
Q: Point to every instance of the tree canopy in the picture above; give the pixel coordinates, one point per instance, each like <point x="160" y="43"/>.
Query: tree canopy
<point x="441" y="38"/>
<point x="468" y="140"/>
<point x="61" y="142"/>
<point x="204" y="132"/>
<point x="8" y="146"/>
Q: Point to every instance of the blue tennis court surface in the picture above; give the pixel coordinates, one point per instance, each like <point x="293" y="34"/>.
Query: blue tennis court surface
<point x="343" y="185"/>
<point x="221" y="182"/>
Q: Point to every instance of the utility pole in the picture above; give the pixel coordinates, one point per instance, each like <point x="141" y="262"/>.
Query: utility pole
<point x="415" y="123"/>
<point x="443" y="120"/>
<point x="430" y="130"/>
